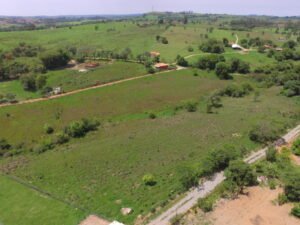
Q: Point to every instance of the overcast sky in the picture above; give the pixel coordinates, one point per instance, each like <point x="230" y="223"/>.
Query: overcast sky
<point x="85" y="7"/>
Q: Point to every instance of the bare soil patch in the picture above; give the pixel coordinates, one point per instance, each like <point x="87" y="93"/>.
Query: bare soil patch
<point x="94" y="220"/>
<point x="256" y="208"/>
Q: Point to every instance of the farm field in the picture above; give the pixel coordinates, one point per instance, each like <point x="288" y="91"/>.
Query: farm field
<point x="30" y="207"/>
<point x="130" y="147"/>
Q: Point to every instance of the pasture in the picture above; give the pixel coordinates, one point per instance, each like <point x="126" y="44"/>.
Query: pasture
<point x="103" y="171"/>
<point x="31" y="207"/>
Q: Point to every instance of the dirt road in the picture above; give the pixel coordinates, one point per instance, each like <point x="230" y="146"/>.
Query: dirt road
<point x="204" y="189"/>
<point x="86" y="89"/>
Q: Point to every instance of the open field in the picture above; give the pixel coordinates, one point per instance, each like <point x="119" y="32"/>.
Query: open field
<point x="133" y="145"/>
<point x="30" y="207"/>
<point x="159" y="124"/>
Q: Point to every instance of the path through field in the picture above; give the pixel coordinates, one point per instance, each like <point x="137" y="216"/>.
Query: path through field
<point x="86" y="89"/>
<point x="204" y="189"/>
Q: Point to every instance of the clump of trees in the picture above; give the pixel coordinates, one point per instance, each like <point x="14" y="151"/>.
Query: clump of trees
<point x="55" y="59"/>
<point x="264" y="133"/>
<point x="237" y="91"/>
<point x="81" y="128"/>
<point x="212" y="46"/>
<point x="209" y="62"/>
<point x="239" y="175"/>
<point x="162" y="40"/>
<point x="33" y="82"/>
<point x="181" y="61"/>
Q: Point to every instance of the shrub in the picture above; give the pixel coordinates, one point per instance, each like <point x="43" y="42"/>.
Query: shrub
<point x="4" y="147"/>
<point x="188" y="177"/>
<point x="48" y="129"/>
<point x="80" y="128"/>
<point x="61" y="138"/>
<point x="296" y="210"/>
<point x="149" y="180"/>
<point x="240" y="174"/>
<point x="292" y="186"/>
<point x="206" y="204"/>
<point x="191" y="106"/>
<point x="282" y="199"/>
<point x="263" y="133"/>
<point x="176" y="219"/>
<point x="296" y="147"/>
<point x="237" y="91"/>
<point x="152" y="116"/>
<point x="271" y="154"/>
<point x="46" y="145"/>
<point x="219" y="159"/>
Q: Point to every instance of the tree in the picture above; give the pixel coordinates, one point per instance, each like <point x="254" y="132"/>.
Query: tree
<point x="181" y="61"/>
<point x="209" y="62"/>
<point x="240" y="175"/>
<point x="188" y="177"/>
<point x="214" y="101"/>
<point x="40" y="81"/>
<point x="28" y="82"/>
<point x="264" y="133"/>
<point x="56" y="59"/>
<point x="222" y="71"/>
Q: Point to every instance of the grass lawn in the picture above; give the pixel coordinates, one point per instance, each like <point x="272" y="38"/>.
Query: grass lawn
<point x="23" y="206"/>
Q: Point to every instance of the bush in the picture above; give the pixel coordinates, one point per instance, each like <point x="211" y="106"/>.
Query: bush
<point x="81" y="128"/>
<point x="296" y="210"/>
<point x="46" y="145"/>
<point x="292" y="186"/>
<point x="152" y="116"/>
<point x="176" y="219"/>
<point x="191" y="106"/>
<point x="282" y="199"/>
<point x="271" y="154"/>
<point x="219" y="159"/>
<point x="61" y="138"/>
<point x="48" y="129"/>
<point x="296" y="147"/>
<point x="4" y="147"/>
<point x="237" y="91"/>
<point x="263" y="133"/>
<point x="149" y="180"/>
<point x="206" y="204"/>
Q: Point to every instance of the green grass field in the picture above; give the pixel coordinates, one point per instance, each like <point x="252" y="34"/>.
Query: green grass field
<point x="23" y="206"/>
<point x="106" y="168"/>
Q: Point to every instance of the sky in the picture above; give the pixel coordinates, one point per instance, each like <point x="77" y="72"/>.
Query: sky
<point x="93" y="7"/>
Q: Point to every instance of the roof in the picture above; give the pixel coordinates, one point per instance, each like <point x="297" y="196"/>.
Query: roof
<point x="116" y="223"/>
<point x="159" y="65"/>
<point x="236" y="46"/>
<point x="153" y="53"/>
